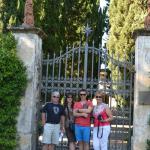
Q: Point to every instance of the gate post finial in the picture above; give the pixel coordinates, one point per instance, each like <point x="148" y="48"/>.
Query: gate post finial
<point x="28" y="14"/>
<point x="147" y="18"/>
<point x="87" y="31"/>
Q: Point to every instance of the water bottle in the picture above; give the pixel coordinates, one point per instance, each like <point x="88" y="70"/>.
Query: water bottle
<point x="61" y="134"/>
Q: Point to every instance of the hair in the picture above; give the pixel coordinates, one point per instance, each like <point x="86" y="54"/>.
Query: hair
<point x="83" y="90"/>
<point x="102" y="94"/>
<point x="66" y="102"/>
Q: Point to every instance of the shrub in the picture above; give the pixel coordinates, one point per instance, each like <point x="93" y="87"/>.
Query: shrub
<point x="12" y="85"/>
<point x="148" y="144"/>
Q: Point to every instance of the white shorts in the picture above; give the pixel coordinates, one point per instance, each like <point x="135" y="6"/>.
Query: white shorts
<point x="51" y="134"/>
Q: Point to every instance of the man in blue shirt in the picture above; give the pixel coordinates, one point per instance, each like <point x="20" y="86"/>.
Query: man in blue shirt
<point x="53" y="118"/>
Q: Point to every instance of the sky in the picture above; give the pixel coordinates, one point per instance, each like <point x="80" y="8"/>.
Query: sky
<point x="102" y="3"/>
<point x="105" y="36"/>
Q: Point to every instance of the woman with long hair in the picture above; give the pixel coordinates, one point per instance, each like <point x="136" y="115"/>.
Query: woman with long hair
<point x="69" y="121"/>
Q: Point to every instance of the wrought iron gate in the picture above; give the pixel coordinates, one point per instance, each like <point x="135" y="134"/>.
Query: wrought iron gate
<point x="93" y="68"/>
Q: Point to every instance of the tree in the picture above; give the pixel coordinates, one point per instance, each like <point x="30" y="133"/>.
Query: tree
<point x="63" y="20"/>
<point x="13" y="81"/>
<point x="11" y="13"/>
<point x="125" y="16"/>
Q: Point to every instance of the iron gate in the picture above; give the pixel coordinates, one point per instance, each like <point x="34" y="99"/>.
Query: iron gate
<point x="93" y="68"/>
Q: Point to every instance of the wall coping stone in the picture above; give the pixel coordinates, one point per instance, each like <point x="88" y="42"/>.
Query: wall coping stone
<point x="22" y="29"/>
<point x="140" y="32"/>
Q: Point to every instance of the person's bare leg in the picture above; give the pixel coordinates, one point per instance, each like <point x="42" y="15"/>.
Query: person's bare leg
<point x="86" y="146"/>
<point x="51" y="147"/>
<point x="71" y="146"/>
<point x="81" y="146"/>
<point x="45" y="147"/>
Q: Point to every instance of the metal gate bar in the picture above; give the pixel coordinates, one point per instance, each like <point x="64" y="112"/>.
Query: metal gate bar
<point x="83" y="67"/>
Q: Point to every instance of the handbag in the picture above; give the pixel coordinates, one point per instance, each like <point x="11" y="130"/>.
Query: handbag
<point x="71" y="124"/>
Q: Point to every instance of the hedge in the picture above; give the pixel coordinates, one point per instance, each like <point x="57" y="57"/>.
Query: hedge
<point x="13" y="80"/>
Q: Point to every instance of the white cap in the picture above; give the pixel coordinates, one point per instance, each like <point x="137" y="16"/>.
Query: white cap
<point x="55" y="93"/>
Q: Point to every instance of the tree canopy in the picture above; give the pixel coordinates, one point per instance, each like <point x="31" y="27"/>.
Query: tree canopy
<point x="62" y="20"/>
<point x="125" y="16"/>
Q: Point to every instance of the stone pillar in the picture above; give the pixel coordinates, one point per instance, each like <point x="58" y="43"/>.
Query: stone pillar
<point x="29" y="50"/>
<point x="141" y="129"/>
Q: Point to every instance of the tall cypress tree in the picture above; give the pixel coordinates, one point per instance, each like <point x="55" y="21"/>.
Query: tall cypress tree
<point x="64" y="20"/>
<point x="125" y="16"/>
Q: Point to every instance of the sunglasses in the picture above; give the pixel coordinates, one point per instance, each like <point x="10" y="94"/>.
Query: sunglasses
<point x="55" y="96"/>
<point x="98" y="97"/>
<point x="82" y="94"/>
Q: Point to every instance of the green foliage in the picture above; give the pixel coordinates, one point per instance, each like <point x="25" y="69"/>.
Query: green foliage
<point x="11" y="13"/>
<point x="148" y="144"/>
<point x="125" y="16"/>
<point x="13" y="82"/>
<point x="63" y="21"/>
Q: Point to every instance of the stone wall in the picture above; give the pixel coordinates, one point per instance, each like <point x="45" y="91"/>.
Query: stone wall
<point x="29" y="49"/>
<point x="141" y="129"/>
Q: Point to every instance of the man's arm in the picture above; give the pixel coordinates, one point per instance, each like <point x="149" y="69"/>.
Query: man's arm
<point x="62" y="121"/>
<point x="43" y="119"/>
<point x="76" y="113"/>
<point x="88" y="110"/>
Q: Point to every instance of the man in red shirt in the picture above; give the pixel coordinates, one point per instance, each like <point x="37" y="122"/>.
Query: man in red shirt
<point x="82" y="112"/>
